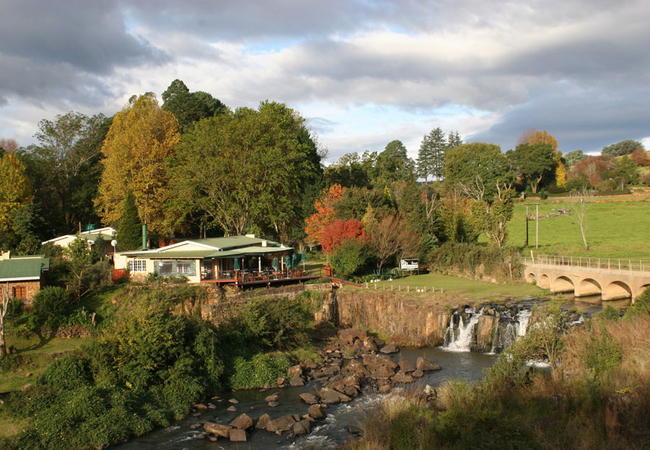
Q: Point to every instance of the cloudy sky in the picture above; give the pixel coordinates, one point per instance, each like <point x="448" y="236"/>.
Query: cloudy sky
<point x="363" y="72"/>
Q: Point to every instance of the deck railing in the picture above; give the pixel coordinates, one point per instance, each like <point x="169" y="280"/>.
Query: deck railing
<point x="586" y="262"/>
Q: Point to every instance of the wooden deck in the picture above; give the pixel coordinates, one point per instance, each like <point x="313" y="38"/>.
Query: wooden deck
<point x="244" y="279"/>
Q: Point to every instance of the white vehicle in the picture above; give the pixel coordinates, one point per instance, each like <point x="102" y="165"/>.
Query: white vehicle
<point x="409" y="264"/>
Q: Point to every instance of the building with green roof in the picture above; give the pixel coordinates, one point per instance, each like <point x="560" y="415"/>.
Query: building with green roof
<point x="22" y="276"/>
<point x="232" y="259"/>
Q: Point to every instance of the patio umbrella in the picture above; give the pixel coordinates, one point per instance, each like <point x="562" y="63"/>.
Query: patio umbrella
<point x="303" y="258"/>
<point x="237" y="264"/>
<point x="275" y="263"/>
<point x="294" y="260"/>
<point x="287" y="261"/>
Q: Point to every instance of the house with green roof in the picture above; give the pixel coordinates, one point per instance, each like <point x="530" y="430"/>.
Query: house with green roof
<point x="235" y="259"/>
<point x="104" y="235"/>
<point x="22" y="276"/>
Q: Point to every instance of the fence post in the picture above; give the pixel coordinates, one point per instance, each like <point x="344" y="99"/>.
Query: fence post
<point x="408" y="288"/>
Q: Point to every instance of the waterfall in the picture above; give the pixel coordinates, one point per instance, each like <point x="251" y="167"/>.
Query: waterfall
<point x="460" y="338"/>
<point x="523" y="317"/>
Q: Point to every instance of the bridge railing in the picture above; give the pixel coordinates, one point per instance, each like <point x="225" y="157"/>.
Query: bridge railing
<point x="632" y="265"/>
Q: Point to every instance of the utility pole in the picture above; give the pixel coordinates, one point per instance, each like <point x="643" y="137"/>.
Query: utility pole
<point x="526" y="226"/>
<point x="537" y="227"/>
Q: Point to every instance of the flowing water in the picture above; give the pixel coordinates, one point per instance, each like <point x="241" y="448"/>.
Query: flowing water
<point x="326" y="434"/>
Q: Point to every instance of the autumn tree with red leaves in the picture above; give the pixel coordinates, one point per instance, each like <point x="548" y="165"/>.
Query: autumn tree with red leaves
<point x="339" y="231"/>
<point x="324" y="215"/>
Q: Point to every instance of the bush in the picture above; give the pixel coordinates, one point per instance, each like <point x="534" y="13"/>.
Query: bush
<point x="349" y="257"/>
<point x="51" y="304"/>
<point x="641" y="305"/>
<point x="256" y="372"/>
<point x="475" y="261"/>
<point x="602" y="353"/>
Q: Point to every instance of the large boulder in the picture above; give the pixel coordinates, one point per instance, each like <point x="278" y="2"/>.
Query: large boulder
<point x="373" y="361"/>
<point x="237" y="435"/>
<point x="242" y="422"/>
<point x="297" y="381"/>
<point x="348" y="336"/>
<point x="263" y="421"/>
<point x="382" y="372"/>
<point x="332" y="397"/>
<point x="388" y="349"/>
<point x="281" y="424"/>
<point x="355" y="367"/>
<point x="406" y="366"/>
<point x="369" y="345"/>
<point x="302" y="427"/>
<point x="217" y="429"/>
<point x="316" y="412"/>
<point x="294" y="371"/>
<point x="271" y="398"/>
<point x="308" y="398"/>
<point x="403" y="378"/>
<point x="426" y="365"/>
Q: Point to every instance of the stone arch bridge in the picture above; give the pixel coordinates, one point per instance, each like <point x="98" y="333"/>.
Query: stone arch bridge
<point x="613" y="279"/>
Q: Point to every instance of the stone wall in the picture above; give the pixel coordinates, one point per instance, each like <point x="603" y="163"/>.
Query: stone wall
<point x="406" y="321"/>
<point x="32" y="288"/>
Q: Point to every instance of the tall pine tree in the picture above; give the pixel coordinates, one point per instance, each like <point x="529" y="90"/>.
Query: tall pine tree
<point x="130" y="228"/>
<point x="431" y="156"/>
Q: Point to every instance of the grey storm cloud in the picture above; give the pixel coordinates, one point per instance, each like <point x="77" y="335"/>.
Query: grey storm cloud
<point x="578" y="119"/>
<point x="52" y="48"/>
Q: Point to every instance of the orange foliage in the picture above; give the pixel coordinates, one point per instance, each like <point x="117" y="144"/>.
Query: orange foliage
<point x="640" y="157"/>
<point x="542" y="137"/>
<point x="339" y="231"/>
<point x="324" y="215"/>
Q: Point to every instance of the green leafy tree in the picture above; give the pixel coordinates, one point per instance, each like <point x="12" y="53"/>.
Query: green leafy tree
<point x="246" y="170"/>
<point x="15" y="190"/>
<point x="622" y="148"/>
<point x="190" y="107"/>
<point x="626" y="171"/>
<point x="431" y="156"/>
<point x="573" y="157"/>
<point x="393" y="164"/>
<point x="351" y="170"/>
<point x="64" y="169"/>
<point x="493" y="216"/>
<point x="534" y="163"/>
<point x="349" y="257"/>
<point x="129" y="232"/>
<point x="141" y="138"/>
<point x="478" y="162"/>
<point x="79" y="256"/>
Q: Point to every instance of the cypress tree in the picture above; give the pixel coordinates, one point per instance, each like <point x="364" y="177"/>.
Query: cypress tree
<point x="129" y="232"/>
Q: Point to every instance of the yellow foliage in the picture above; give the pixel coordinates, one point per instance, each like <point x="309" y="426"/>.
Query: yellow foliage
<point x="560" y="169"/>
<point x="542" y="137"/>
<point x="15" y="188"/>
<point x="141" y="138"/>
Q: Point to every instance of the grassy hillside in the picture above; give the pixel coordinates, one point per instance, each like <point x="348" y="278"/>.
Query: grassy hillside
<point x="616" y="229"/>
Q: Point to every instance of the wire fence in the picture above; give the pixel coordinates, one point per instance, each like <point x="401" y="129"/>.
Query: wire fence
<point x="609" y="264"/>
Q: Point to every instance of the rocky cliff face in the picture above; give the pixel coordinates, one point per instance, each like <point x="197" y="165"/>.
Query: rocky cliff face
<point x="405" y="321"/>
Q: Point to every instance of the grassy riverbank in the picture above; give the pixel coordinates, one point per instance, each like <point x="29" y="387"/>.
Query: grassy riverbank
<point x="452" y="289"/>
<point x="596" y="394"/>
<point x="616" y="229"/>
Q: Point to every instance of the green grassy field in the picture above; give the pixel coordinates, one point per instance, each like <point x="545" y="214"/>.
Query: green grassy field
<point x="456" y="288"/>
<point x="615" y="230"/>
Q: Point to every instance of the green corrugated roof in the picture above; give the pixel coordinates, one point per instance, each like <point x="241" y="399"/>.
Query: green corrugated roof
<point x="196" y="254"/>
<point x="22" y="268"/>
<point x="232" y="241"/>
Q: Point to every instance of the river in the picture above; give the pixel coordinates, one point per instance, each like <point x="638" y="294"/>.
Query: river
<point x="326" y="434"/>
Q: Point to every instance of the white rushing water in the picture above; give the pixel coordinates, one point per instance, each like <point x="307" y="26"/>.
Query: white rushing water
<point x="523" y="318"/>
<point x="460" y="340"/>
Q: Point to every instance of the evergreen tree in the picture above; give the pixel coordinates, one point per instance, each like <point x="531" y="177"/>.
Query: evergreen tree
<point x="431" y="157"/>
<point x="453" y="141"/>
<point x="130" y="228"/>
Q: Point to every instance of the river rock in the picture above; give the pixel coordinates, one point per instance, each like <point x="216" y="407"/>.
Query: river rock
<point x="332" y="397"/>
<point x="237" y="435"/>
<point x="426" y="365"/>
<point x="351" y="391"/>
<point x="280" y="424"/>
<point x="294" y="371"/>
<point x="316" y="411"/>
<point x="403" y="378"/>
<point x="349" y="335"/>
<point x="406" y="366"/>
<point x="308" y="398"/>
<point x="262" y="422"/>
<point x="232" y="409"/>
<point x="355" y="367"/>
<point x="217" y="429"/>
<point x="371" y="361"/>
<point x="272" y="404"/>
<point x="195" y="426"/>
<point x="388" y="349"/>
<point x="297" y="381"/>
<point x="234" y="401"/>
<point x="200" y="407"/>
<point x="417" y="373"/>
<point x="300" y="428"/>
<point x="382" y="372"/>
<point x="385" y="389"/>
<point x="271" y="398"/>
<point x="281" y="381"/>
<point x="369" y="345"/>
<point x="243" y="422"/>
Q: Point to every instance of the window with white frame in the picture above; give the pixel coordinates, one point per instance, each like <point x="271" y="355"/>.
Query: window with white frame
<point x="185" y="267"/>
<point x="138" y="265"/>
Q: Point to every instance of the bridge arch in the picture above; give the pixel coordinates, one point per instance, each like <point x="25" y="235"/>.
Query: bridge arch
<point x="544" y="281"/>
<point x="588" y="287"/>
<point x="617" y="290"/>
<point x="530" y="278"/>
<point x="563" y="284"/>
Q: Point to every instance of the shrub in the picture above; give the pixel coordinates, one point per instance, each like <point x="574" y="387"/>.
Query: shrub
<point x="609" y="313"/>
<point x="349" y="257"/>
<point x="474" y="260"/>
<point x="602" y="353"/>
<point x="261" y="369"/>
<point x="641" y="305"/>
<point x="67" y="373"/>
<point x="51" y="304"/>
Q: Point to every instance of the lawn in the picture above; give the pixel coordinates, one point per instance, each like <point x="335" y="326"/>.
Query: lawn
<point x="616" y="229"/>
<point x="456" y="288"/>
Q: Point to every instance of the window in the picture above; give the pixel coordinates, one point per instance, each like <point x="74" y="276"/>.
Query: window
<point x="185" y="267"/>
<point x="175" y="267"/>
<point x="138" y="265"/>
<point x="20" y="292"/>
